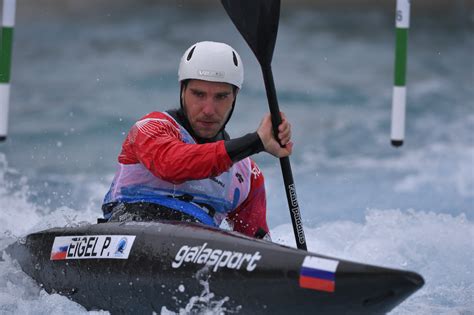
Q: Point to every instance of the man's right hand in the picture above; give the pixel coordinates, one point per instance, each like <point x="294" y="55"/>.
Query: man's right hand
<point x="265" y="132"/>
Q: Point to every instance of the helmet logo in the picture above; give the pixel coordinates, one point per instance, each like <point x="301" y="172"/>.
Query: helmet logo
<point x="211" y="73"/>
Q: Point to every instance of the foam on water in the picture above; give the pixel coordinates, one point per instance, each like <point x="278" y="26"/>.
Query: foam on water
<point x="204" y="303"/>
<point x="435" y="245"/>
<point x="19" y="294"/>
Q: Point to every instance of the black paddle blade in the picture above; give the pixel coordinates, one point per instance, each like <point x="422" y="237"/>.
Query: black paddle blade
<point x="257" y="21"/>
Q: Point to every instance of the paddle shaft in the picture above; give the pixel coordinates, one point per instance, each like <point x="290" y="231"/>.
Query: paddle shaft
<point x="285" y="161"/>
<point x="257" y="21"/>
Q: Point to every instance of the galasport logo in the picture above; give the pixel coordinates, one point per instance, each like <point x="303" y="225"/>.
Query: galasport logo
<point x="215" y="258"/>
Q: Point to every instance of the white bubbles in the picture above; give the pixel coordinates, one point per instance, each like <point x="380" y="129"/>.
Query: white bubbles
<point x="204" y="303"/>
<point x="19" y="294"/>
<point x="18" y="213"/>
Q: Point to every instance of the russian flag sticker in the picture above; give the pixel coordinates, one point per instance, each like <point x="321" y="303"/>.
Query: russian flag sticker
<point x="59" y="253"/>
<point x="318" y="274"/>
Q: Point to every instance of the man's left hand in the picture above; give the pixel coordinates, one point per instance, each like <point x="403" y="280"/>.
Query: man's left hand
<point x="265" y="132"/>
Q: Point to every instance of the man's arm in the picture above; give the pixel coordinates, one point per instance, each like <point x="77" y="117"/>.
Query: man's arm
<point x="156" y="142"/>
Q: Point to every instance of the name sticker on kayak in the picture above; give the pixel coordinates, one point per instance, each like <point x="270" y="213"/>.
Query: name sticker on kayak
<point x="215" y="258"/>
<point x="318" y="274"/>
<point x="92" y="247"/>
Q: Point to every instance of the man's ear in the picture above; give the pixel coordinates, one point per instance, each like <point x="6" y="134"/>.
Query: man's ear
<point x="183" y="89"/>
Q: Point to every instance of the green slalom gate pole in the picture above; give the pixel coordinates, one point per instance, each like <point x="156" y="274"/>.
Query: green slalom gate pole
<point x="402" y="23"/>
<point x="8" y="22"/>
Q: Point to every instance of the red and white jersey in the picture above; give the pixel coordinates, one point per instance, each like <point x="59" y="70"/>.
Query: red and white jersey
<point x="161" y="163"/>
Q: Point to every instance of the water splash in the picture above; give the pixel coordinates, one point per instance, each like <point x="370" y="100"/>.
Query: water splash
<point x="438" y="246"/>
<point x="206" y="303"/>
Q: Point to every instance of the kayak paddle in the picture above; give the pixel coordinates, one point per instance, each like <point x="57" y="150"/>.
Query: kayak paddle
<point x="257" y="21"/>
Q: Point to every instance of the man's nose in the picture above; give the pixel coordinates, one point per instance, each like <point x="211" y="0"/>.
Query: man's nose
<point x="209" y="108"/>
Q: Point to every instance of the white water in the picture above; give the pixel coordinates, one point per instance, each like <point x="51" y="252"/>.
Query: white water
<point x="436" y="245"/>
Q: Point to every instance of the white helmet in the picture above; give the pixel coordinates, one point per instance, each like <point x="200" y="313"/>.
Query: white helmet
<point x="212" y="61"/>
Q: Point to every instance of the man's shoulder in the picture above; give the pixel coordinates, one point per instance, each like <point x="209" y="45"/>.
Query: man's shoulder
<point x="162" y="117"/>
<point x="159" y="115"/>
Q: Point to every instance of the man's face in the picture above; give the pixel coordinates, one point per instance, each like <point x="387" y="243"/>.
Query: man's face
<point x="207" y="106"/>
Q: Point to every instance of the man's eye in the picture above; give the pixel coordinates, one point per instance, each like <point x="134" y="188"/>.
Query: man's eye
<point x="222" y="96"/>
<point x="198" y="94"/>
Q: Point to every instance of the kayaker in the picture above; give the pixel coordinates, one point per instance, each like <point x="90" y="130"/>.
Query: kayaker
<point x="182" y="165"/>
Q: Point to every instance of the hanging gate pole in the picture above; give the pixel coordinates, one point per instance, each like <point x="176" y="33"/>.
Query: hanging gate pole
<point x="402" y="21"/>
<point x="8" y="22"/>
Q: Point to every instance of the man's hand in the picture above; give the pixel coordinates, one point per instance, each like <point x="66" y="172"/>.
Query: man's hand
<point x="265" y="132"/>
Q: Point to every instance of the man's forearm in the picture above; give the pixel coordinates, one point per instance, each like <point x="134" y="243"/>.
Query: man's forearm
<point x="245" y="146"/>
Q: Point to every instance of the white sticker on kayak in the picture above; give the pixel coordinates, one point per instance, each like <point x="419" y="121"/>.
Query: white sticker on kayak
<point x="216" y="258"/>
<point x="92" y="247"/>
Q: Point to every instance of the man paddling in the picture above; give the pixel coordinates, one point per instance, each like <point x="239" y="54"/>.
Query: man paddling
<point x="181" y="164"/>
